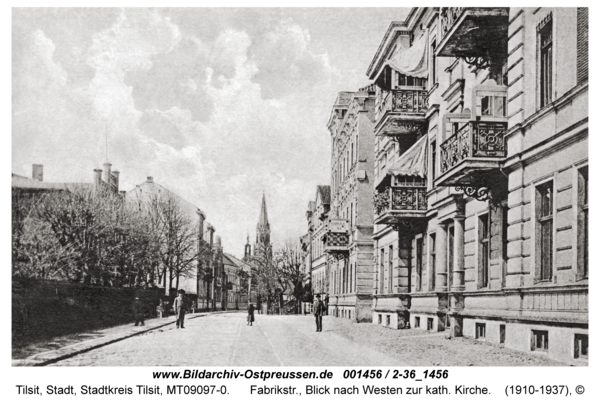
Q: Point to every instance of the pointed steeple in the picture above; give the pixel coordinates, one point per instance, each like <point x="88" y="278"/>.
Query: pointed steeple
<point x="263" y="220"/>
<point x="263" y="230"/>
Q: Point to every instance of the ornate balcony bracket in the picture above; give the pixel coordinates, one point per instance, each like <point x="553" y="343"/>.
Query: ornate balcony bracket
<point x="479" y="193"/>
<point x="492" y="62"/>
<point x="343" y="255"/>
<point x="478" y="62"/>
<point x="493" y="191"/>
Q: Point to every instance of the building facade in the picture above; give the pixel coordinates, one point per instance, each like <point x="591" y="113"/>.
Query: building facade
<point x="199" y="282"/>
<point x="349" y="226"/>
<point x="317" y="215"/>
<point x="481" y="178"/>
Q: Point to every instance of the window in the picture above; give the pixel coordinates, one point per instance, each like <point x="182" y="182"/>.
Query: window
<point x="388" y="320"/>
<point x="582" y="44"/>
<point x="539" y="340"/>
<point x="419" y="274"/>
<point x="502" y="334"/>
<point x="480" y="331"/>
<point x="433" y="64"/>
<point x="351" y="278"/>
<point x="379" y="318"/>
<point x="581" y="346"/>
<point x="545" y="44"/>
<point x="432" y="262"/>
<point x="429" y="323"/>
<point x="450" y="250"/>
<point x="504" y="245"/>
<point x="544" y="231"/>
<point x="433" y="156"/>
<point x="381" y="270"/>
<point x="484" y="251"/>
<point x="582" y="223"/>
<point x="494" y="106"/>
<point x="391" y="269"/>
<point x="417" y="321"/>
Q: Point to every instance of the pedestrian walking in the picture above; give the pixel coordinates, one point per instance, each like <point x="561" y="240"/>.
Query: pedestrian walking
<point x="179" y="308"/>
<point x="138" y="312"/>
<point x="319" y="310"/>
<point x="250" y="314"/>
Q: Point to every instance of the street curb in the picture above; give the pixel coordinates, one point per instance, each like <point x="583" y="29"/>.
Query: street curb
<point x="86" y="346"/>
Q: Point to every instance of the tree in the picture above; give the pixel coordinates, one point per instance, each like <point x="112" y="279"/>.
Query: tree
<point x="85" y="220"/>
<point x="178" y="238"/>
<point x="281" y="273"/>
<point x="290" y="272"/>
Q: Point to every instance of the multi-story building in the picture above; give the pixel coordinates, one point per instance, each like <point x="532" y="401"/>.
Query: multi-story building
<point x="237" y="297"/>
<point x="349" y="226"/>
<point x="484" y="111"/>
<point x="317" y="215"/>
<point x="196" y="283"/>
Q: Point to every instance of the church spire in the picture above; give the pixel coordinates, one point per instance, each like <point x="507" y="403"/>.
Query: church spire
<point x="263" y="230"/>
<point x="262" y="219"/>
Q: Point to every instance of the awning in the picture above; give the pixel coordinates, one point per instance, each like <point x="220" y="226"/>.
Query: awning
<point x="409" y="62"/>
<point x="413" y="162"/>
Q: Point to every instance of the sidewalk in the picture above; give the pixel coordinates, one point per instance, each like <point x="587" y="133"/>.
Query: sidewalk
<point x="44" y="353"/>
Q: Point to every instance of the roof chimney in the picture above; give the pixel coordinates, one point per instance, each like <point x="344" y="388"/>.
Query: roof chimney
<point x="150" y="179"/>
<point x="37" y="172"/>
<point x="97" y="178"/>
<point x="107" y="173"/>
<point x="115" y="176"/>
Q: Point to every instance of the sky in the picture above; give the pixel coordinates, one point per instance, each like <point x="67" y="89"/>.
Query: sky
<point x="218" y="105"/>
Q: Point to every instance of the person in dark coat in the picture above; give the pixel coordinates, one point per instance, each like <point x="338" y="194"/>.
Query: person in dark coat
<point x="138" y="311"/>
<point x="179" y="308"/>
<point x="319" y="310"/>
<point x="250" y="314"/>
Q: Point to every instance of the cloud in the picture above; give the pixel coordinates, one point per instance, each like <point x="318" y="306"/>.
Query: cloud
<point x="217" y="121"/>
<point x="285" y="61"/>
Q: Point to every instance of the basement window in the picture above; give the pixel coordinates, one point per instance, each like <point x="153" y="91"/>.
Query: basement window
<point x="480" y="331"/>
<point x="581" y="346"/>
<point x="539" y="340"/>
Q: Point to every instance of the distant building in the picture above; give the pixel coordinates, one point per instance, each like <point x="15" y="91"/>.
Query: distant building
<point x="195" y="283"/>
<point x="236" y="272"/>
<point x="316" y="216"/>
<point x="262" y="246"/>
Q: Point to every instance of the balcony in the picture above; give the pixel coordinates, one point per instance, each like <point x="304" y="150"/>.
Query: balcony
<point x="401" y="112"/>
<point x="396" y="204"/>
<point x="336" y="237"/>
<point x="479" y="35"/>
<point x="472" y="155"/>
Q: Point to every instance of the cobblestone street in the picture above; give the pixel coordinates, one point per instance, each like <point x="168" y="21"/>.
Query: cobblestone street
<point x="226" y="340"/>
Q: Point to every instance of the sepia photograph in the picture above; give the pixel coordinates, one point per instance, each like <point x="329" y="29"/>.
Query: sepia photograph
<point x="299" y="187"/>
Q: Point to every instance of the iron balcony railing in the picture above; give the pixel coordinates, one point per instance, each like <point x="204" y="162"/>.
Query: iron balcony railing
<point x="336" y="237"/>
<point x="475" y="139"/>
<point x="402" y="101"/>
<point x="448" y="16"/>
<point x="400" y="200"/>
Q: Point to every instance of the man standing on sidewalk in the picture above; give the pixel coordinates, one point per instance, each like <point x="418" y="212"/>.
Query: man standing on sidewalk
<point x="319" y="310"/>
<point x="138" y="311"/>
<point x="179" y="308"/>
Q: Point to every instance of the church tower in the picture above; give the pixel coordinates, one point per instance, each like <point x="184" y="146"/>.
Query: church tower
<point x="247" y="252"/>
<point x="263" y="230"/>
